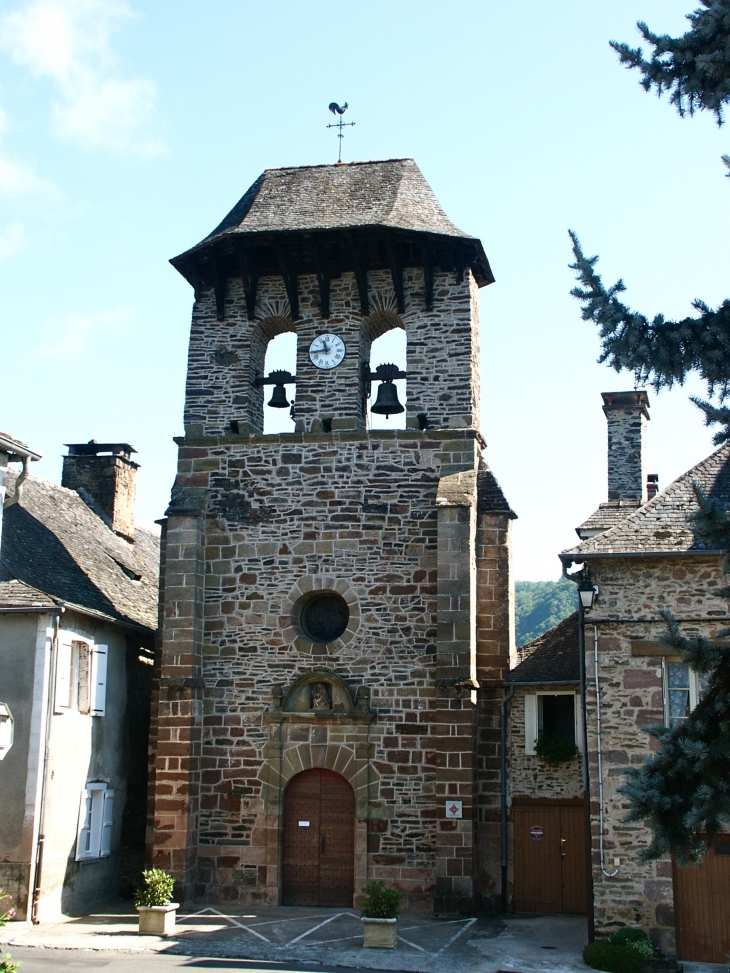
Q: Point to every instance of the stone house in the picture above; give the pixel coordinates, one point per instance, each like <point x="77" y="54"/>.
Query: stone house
<point x="640" y="553"/>
<point x="78" y="614"/>
<point x="334" y="596"/>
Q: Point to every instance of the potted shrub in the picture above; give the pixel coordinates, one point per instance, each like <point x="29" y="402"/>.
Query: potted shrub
<point x="6" y="963"/>
<point x="379" y="915"/>
<point x="154" y="903"/>
<point x="554" y="752"/>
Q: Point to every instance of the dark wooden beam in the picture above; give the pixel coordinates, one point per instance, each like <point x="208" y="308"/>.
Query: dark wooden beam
<point x="290" y="280"/>
<point x="323" y="279"/>
<point x="250" y="279"/>
<point x="360" y="269"/>
<point x="195" y="272"/>
<point x="219" y="283"/>
<point x="395" y="261"/>
<point x="459" y="265"/>
<point x="427" y="262"/>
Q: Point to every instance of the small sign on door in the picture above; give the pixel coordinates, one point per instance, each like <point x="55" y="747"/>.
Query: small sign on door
<point x="537" y="832"/>
<point x="454" y="809"/>
<point x="304" y="824"/>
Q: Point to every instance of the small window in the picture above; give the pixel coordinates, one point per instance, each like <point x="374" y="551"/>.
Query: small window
<point x="551" y="714"/>
<point x="683" y="689"/>
<point x="80" y="677"/>
<point x="96" y="819"/>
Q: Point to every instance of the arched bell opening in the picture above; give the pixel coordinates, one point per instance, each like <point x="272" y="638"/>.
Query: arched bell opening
<point x="273" y="351"/>
<point x="384" y="342"/>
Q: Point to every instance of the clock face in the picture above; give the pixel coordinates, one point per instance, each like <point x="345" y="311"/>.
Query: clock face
<point x="327" y="351"/>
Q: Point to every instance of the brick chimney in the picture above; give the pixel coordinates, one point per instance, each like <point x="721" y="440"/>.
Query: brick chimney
<point x="627" y="414"/>
<point x="105" y="477"/>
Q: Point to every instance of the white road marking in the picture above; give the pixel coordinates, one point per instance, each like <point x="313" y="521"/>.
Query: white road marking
<point x="414" y="945"/>
<point x="230" y="919"/>
<point x="456" y="936"/>
<point x="337" y="915"/>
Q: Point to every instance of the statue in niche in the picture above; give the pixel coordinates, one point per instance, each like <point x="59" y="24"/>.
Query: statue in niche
<point x="320" y="698"/>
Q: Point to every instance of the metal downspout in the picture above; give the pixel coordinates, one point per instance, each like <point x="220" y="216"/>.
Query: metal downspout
<point x="504" y="709"/>
<point x="40" y="846"/>
<point x="586" y="775"/>
<point x="600" y="756"/>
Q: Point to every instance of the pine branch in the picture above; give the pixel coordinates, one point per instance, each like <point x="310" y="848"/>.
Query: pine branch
<point x="660" y="352"/>
<point x="695" y="67"/>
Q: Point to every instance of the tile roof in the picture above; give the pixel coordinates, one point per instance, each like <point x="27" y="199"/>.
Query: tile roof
<point x="662" y="525"/>
<point x="490" y="498"/>
<point x="607" y="516"/>
<point x="392" y="193"/>
<point x="58" y="547"/>
<point x="550" y="658"/>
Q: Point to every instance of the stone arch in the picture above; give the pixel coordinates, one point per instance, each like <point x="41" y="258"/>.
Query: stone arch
<point x="375" y="325"/>
<point x="298" y="697"/>
<point x="261" y="334"/>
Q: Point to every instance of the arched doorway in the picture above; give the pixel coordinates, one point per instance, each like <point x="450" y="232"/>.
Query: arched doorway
<point x="319" y="840"/>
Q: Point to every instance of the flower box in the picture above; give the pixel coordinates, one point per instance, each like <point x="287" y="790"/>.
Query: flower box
<point x="379" y="933"/>
<point x="157" y="920"/>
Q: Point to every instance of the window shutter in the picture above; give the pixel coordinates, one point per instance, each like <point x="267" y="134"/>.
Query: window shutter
<point x="107" y="822"/>
<point x="83" y="835"/>
<point x="64" y="662"/>
<point x="530" y="722"/>
<point x="578" y="722"/>
<point x="97" y="695"/>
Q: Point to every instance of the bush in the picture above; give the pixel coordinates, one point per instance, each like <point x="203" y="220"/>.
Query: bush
<point x="381" y="903"/>
<point x="635" y="939"/>
<point x="555" y="752"/>
<point x="158" y="888"/>
<point x="9" y="913"/>
<point x="613" y="958"/>
<point x="6" y="963"/>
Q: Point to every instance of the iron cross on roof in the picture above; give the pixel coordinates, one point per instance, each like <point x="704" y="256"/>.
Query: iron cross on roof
<point x="337" y="110"/>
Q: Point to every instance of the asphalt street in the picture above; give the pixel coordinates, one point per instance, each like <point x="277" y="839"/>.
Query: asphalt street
<point x="48" y="960"/>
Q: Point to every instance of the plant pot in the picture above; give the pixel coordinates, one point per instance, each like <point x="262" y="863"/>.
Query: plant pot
<point x="157" y="920"/>
<point x="379" y="933"/>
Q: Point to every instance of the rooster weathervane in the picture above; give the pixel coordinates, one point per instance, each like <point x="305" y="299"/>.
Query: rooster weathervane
<point x="339" y="110"/>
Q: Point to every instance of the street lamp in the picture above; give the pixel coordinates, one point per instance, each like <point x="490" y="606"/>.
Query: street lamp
<point x="587" y="593"/>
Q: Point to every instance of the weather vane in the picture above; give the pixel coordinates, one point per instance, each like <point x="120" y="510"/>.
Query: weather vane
<point x="336" y="110"/>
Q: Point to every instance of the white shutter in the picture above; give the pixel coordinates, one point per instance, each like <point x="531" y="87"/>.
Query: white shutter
<point x="83" y="834"/>
<point x="97" y="694"/>
<point x="64" y="667"/>
<point x="578" y="722"/>
<point x="107" y="822"/>
<point x="530" y="722"/>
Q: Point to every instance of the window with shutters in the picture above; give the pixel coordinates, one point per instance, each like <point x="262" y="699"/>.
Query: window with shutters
<point x="80" y="676"/>
<point x="552" y="714"/>
<point x="683" y="688"/>
<point x="96" y="820"/>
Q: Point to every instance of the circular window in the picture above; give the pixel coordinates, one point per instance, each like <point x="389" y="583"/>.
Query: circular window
<point x="324" y="618"/>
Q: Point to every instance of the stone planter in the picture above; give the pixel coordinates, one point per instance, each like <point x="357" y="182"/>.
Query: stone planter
<point x="379" y="933"/>
<point x="157" y="920"/>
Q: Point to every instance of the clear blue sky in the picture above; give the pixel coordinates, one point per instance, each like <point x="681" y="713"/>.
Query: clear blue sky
<point x="127" y="130"/>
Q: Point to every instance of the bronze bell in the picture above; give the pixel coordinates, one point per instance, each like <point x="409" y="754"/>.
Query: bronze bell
<point x="278" y="398"/>
<point x="387" y="404"/>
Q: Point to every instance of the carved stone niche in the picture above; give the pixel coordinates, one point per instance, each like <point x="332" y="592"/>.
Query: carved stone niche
<point x="320" y="694"/>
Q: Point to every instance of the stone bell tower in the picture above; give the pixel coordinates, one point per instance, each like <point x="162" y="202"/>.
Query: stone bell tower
<point x="331" y="596"/>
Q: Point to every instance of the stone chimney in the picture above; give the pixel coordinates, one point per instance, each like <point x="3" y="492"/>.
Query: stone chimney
<point x="105" y="477"/>
<point x="627" y="414"/>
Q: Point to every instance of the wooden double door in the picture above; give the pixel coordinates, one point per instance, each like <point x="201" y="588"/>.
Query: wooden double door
<point x="318" y="840"/>
<point x="550" y="859"/>
<point x="702" y="906"/>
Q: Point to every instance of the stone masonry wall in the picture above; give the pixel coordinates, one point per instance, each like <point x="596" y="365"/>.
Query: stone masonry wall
<point x="630" y="669"/>
<point x="281" y="516"/>
<point x="529" y="776"/>
<point x="443" y="352"/>
<point x="627" y="430"/>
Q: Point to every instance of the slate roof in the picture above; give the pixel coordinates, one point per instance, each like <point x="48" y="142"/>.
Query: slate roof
<point x="607" y="516"/>
<point x="392" y="193"/>
<point x="550" y="658"/>
<point x="59" y="548"/>
<point x="662" y="525"/>
<point x="490" y="498"/>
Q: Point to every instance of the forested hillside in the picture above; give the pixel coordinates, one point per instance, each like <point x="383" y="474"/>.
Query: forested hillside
<point x="541" y="604"/>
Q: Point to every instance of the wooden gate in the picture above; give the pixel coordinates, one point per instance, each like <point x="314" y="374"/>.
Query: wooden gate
<point x="702" y="906"/>
<point x="319" y="840"/>
<point x="550" y="862"/>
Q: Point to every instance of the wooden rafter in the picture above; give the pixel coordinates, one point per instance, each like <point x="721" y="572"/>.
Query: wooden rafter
<point x="360" y="269"/>
<point x="250" y="279"/>
<point x="395" y="261"/>
<point x="290" y="280"/>
<point x="323" y="279"/>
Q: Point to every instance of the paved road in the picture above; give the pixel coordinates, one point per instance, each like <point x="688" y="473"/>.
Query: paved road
<point x="49" y="960"/>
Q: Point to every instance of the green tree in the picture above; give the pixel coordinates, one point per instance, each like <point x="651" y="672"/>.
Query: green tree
<point x="541" y="605"/>
<point x="684" y="790"/>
